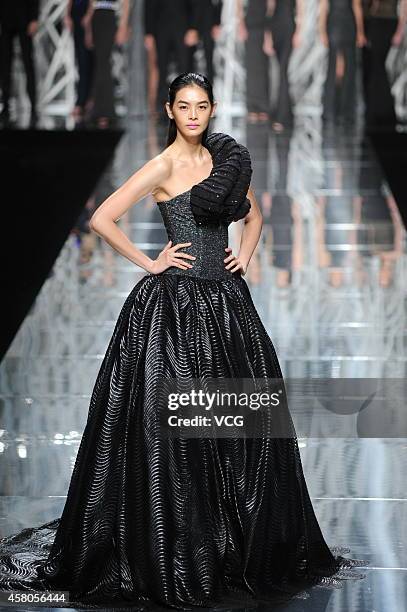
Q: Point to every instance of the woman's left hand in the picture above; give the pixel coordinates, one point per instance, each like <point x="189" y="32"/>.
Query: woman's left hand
<point x="296" y="39"/>
<point x="361" y="40"/>
<point x="216" y="31"/>
<point x="122" y="35"/>
<point x="268" y="46"/>
<point x="32" y="28"/>
<point x="234" y="263"/>
<point x="397" y="38"/>
<point x="191" y="37"/>
<point x="88" y="39"/>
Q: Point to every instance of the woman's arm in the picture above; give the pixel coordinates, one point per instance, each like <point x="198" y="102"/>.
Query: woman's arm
<point x="299" y="22"/>
<point x="239" y="10"/>
<point x="403" y="14"/>
<point x="322" y="21"/>
<point x="125" y="14"/>
<point x="123" y="30"/>
<point x="241" y="23"/>
<point x="399" y="33"/>
<point x="139" y="185"/>
<point x="87" y="18"/>
<point x="253" y="222"/>
<point x="67" y="16"/>
<point x="68" y="8"/>
<point x="360" y="30"/>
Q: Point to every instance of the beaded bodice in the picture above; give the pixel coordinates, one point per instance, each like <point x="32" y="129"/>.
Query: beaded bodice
<point x="208" y="242"/>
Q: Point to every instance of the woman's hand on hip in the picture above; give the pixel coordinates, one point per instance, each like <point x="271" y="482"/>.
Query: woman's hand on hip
<point x="234" y="263"/>
<point x="171" y="256"/>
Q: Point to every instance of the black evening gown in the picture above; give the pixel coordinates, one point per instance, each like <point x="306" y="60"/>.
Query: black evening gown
<point x="282" y="26"/>
<point x="339" y="96"/>
<point x="184" y="522"/>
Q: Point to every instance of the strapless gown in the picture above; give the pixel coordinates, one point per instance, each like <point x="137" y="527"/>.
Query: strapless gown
<point x="153" y="521"/>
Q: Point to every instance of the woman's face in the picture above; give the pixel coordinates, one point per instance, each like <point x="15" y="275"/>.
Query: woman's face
<point x="191" y="110"/>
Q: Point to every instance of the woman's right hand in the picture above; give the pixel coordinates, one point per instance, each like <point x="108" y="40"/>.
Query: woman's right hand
<point x="324" y="38"/>
<point x="170" y="256"/>
<point x="86" y="19"/>
<point x="122" y="34"/>
<point x="88" y="39"/>
<point x="361" y="39"/>
<point x="68" y="22"/>
<point x="149" y="42"/>
<point x="268" y="46"/>
<point x="242" y="31"/>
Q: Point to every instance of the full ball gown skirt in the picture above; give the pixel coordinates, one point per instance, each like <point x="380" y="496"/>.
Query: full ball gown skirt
<point x="179" y="522"/>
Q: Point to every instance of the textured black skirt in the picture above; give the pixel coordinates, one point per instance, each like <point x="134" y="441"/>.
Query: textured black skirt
<point x="152" y="521"/>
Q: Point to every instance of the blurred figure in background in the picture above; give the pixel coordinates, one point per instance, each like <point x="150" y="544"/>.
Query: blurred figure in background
<point x="385" y="22"/>
<point x="75" y="12"/>
<point x="174" y="27"/>
<point x="341" y="30"/>
<point x="18" y="18"/>
<point x="109" y="20"/>
<point x="284" y="23"/>
<point x="380" y="227"/>
<point x="252" y="22"/>
<point x="209" y="29"/>
<point x="336" y="208"/>
<point x="152" y="64"/>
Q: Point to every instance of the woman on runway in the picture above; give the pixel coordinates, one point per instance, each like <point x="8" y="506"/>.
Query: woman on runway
<point x="284" y="27"/>
<point x="177" y="517"/>
<point x="75" y="12"/>
<point x="106" y="23"/>
<point x="385" y="24"/>
<point x="341" y="30"/>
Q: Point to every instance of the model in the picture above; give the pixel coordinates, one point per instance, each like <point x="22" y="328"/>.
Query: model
<point x="18" y="18"/>
<point x="385" y="23"/>
<point x="341" y="31"/>
<point x="106" y="23"/>
<point x="285" y="29"/>
<point x="74" y="14"/>
<point x="182" y="521"/>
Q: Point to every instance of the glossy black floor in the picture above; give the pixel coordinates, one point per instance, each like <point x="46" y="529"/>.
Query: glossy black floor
<point x="328" y="279"/>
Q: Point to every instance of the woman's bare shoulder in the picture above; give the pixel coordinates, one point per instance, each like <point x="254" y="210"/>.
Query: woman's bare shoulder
<point x="161" y="167"/>
<point x="153" y="173"/>
<point x="161" y="164"/>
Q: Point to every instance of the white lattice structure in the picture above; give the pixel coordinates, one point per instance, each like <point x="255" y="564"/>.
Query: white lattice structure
<point x="55" y="61"/>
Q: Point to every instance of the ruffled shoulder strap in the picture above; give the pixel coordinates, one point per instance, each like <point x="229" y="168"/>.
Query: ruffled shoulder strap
<point x="222" y="197"/>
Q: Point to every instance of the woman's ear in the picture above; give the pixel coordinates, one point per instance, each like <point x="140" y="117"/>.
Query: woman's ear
<point x="168" y="109"/>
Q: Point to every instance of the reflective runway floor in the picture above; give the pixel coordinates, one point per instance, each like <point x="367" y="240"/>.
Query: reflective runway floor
<point x="328" y="279"/>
